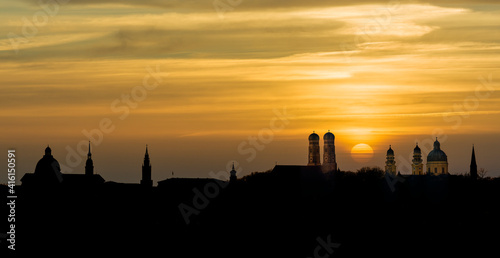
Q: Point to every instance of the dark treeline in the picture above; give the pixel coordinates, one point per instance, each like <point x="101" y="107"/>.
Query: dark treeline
<point x="270" y="214"/>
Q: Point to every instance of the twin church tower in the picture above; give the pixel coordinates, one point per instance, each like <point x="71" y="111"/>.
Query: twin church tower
<point x="329" y="159"/>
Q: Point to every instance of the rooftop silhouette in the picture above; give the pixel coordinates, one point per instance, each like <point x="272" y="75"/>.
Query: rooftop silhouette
<point x="281" y="212"/>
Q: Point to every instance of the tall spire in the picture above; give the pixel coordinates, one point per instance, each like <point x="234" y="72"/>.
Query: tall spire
<point x="473" y="165"/>
<point x="146" y="171"/>
<point x="89" y="165"/>
<point x="146" y="157"/>
<point x="233" y="177"/>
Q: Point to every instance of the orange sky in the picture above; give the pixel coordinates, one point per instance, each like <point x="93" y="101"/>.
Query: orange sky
<point x="373" y="72"/>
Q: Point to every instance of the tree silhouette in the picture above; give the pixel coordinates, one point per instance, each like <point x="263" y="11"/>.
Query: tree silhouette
<point x="482" y="172"/>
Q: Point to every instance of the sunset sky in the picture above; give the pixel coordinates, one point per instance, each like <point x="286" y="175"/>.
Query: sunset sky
<point x="195" y="79"/>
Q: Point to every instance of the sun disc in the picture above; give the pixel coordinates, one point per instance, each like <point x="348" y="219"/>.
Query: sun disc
<point x="362" y="153"/>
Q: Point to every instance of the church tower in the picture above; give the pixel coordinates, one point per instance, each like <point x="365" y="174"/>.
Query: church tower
<point x="473" y="165"/>
<point x="232" y="177"/>
<point x="329" y="160"/>
<point x="314" y="156"/>
<point x="390" y="163"/>
<point x="89" y="165"/>
<point x="146" y="171"/>
<point x="417" y="166"/>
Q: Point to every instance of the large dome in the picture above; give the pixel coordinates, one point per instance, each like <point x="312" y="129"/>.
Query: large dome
<point x="329" y="136"/>
<point x="313" y="137"/>
<point x="437" y="154"/>
<point x="47" y="167"/>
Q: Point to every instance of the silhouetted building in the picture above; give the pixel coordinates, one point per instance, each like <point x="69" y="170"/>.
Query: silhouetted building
<point x="233" y="177"/>
<point x="437" y="161"/>
<point x="329" y="159"/>
<point x="390" y="163"/>
<point x="314" y="156"/>
<point x="473" y="165"/>
<point x="417" y="165"/>
<point x="48" y="173"/>
<point x="146" y="171"/>
<point x="89" y="164"/>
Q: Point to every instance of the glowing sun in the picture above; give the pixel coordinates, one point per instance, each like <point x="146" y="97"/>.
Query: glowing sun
<point x="362" y="153"/>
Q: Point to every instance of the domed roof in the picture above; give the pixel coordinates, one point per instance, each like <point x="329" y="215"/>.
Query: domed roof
<point x="417" y="149"/>
<point x="313" y="137"/>
<point x="437" y="154"/>
<point x="390" y="151"/>
<point x="47" y="167"/>
<point x="329" y="136"/>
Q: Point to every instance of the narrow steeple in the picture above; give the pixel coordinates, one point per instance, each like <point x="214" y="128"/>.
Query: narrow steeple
<point x="89" y="165"/>
<point x="473" y="165"/>
<point x="233" y="177"/>
<point x="146" y="171"/>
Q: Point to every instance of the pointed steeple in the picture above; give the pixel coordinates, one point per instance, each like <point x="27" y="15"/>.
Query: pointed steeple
<point x="146" y="158"/>
<point x="146" y="171"/>
<point x="233" y="177"/>
<point x="473" y="165"/>
<point x="89" y="165"/>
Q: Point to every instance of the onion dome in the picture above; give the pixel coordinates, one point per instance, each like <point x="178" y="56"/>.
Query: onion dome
<point x="417" y="149"/>
<point x="313" y="137"/>
<point x="329" y="136"/>
<point x="390" y="152"/>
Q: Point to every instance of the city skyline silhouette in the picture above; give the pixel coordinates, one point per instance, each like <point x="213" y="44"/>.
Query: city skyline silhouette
<point x="238" y="128"/>
<point x="329" y="206"/>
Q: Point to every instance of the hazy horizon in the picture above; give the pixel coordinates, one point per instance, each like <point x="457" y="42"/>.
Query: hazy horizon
<point x="127" y="166"/>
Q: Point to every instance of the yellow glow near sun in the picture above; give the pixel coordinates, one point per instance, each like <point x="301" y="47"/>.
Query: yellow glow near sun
<point x="362" y="153"/>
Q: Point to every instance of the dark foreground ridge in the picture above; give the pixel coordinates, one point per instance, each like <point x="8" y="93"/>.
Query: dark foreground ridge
<point x="292" y="211"/>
